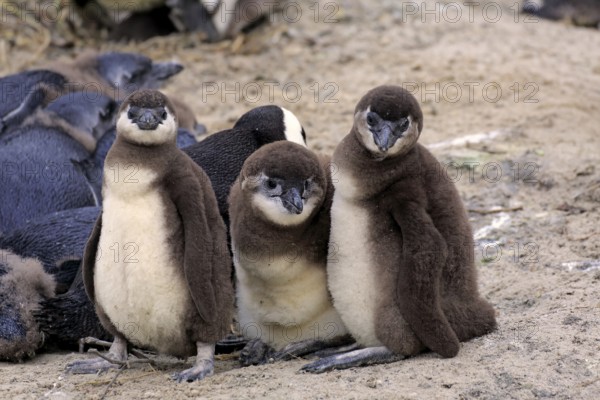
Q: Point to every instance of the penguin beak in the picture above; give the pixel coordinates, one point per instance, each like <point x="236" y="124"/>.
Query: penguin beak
<point x="147" y="121"/>
<point x="292" y="201"/>
<point x="384" y="138"/>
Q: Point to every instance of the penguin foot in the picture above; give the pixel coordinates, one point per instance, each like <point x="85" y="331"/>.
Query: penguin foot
<point x="92" y="366"/>
<point x="116" y="357"/>
<point x="356" y="358"/>
<point x="256" y="352"/>
<point x="309" y="346"/>
<point x="336" y="350"/>
<point x="199" y="371"/>
<point x="204" y="366"/>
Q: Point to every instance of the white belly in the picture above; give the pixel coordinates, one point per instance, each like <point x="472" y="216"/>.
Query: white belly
<point x="282" y="302"/>
<point x="350" y="270"/>
<point x="136" y="282"/>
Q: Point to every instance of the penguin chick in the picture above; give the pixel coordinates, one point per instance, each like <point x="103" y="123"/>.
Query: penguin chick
<point x="405" y="278"/>
<point x="23" y="284"/>
<point x="279" y="208"/>
<point x="170" y="289"/>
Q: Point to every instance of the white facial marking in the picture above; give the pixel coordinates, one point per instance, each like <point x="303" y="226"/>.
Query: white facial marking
<point x="225" y="15"/>
<point x="165" y="132"/>
<point x="293" y="128"/>
<point x="407" y="140"/>
<point x="273" y="209"/>
<point x="360" y="120"/>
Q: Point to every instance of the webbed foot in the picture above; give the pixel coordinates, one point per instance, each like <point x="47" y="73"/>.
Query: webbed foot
<point x="356" y="358"/>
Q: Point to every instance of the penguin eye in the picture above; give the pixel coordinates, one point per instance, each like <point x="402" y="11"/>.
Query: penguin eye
<point x="404" y="125"/>
<point x="271" y="184"/>
<point x="164" y="115"/>
<point x="372" y="118"/>
<point x="132" y="113"/>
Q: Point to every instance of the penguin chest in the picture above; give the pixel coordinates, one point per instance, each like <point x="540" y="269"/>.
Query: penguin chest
<point x="351" y="270"/>
<point x="138" y="283"/>
<point x="285" y="299"/>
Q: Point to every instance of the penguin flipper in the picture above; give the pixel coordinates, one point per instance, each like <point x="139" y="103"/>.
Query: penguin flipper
<point x="418" y="289"/>
<point x="89" y="260"/>
<point x="199" y="240"/>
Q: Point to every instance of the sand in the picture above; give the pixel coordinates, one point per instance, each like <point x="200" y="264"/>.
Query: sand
<point x="535" y="82"/>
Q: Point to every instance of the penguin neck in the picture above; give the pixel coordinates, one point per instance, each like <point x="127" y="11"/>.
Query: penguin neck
<point x="376" y="175"/>
<point x="157" y="156"/>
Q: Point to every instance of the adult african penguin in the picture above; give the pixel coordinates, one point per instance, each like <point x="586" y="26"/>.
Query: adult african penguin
<point x="171" y="280"/>
<point x="222" y="154"/>
<point x="279" y="208"/>
<point x="404" y="280"/>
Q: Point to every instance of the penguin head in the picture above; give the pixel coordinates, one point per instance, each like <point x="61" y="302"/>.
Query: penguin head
<point x="284" y="182"/>
<point x="92" y="113"/>
<point x="388" y="121"/>
<point x="271" y="123"/>
<point x="129" y="71"/>
<point x="147" y="117"/>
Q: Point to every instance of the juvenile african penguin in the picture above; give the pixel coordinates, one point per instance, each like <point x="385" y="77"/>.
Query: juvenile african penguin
<point x="279" y="209"/>
<point x="169" y="288"/>
<point x="113" y="74"/>
<point x="222" y="154"/>
<point x="405" y="278"/>
<point x="38" y="168"/>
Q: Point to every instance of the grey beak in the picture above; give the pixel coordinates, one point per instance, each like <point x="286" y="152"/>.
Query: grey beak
<point x="292" y="201"/>
<point x="384" y="139"/>
<point x="147" y="121"/>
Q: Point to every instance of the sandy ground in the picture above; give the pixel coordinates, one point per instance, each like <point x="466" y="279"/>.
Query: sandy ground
<point x="537" y="82"/>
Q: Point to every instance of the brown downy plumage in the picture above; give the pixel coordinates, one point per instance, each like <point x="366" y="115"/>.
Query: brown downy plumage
<point x="23" y="285"/>
<point x="405" y="276"/>
<point x="170" y="287"/>
<point x="279" y="208"/>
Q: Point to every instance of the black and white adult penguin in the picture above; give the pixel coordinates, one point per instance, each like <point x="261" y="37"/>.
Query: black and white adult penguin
<point x="222" y="154"/>
<point x="171" y="282"/>
<point x="279" y="208"/>
<point x="222" y="19"/>
<point x="404" y="279"/>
